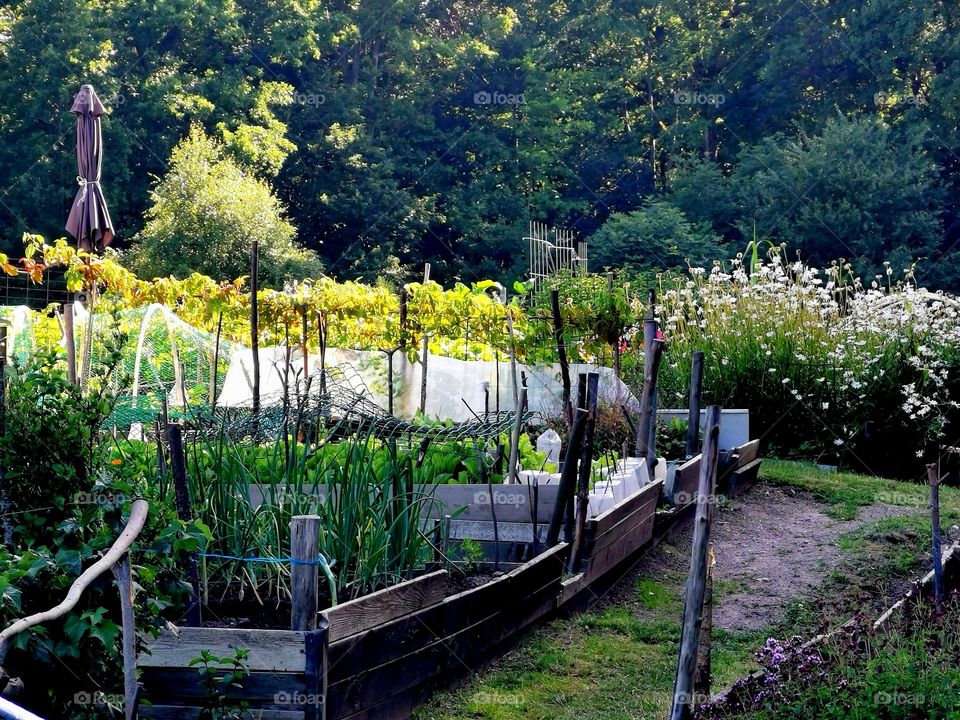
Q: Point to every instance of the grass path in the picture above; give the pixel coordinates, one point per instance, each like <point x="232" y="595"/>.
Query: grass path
<point x="803" y="551"/>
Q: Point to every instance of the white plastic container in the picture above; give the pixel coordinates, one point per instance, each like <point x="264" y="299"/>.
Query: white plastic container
<point x="600" y="503"/>
<point x="549" y="442"/>
<point x="526" y="477"/>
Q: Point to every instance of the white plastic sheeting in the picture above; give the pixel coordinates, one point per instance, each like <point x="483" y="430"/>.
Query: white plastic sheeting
<point x="451" y="384"/>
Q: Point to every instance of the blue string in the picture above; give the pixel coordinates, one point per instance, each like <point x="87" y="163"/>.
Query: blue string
<point x="321" y="560"/>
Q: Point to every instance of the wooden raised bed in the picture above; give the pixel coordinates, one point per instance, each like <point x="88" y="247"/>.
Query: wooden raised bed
<point x="385" y="652"/>
<point x="738" y="469"/>
<point x="614" y="536"/>
<point x="681" y="486"/>
<point x="381" y="672"/>
<point x="287" y="679"/>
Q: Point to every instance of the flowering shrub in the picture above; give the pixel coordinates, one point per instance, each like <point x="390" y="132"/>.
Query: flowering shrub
<point x="827" y="366"/>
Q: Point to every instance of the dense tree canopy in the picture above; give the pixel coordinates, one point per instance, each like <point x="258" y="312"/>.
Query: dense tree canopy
<point x="402" y="132"/>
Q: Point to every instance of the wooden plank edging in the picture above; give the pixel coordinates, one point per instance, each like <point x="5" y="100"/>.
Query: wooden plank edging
<point x="356" y="616"/>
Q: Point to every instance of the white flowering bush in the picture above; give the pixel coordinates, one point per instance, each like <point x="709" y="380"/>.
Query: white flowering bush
<point x="828" y="367"/>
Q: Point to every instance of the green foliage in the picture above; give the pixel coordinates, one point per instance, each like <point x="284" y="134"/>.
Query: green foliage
<point x="857" y="189"/>
<point x="657" y="236"/>
<point x="365" y="117"/>
<point x="221" y="676"/>
<point x="206" y="212"/>
<point x="897" y="672"/>
<point x="71" y="493"/>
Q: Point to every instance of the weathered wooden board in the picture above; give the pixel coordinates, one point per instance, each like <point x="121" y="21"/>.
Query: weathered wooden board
<point x="511" y="503"/>
<point x="743" y="478"/>
<point x="614" y="536"/>
<point x="180" y="712"/>
<point x="643" y="499"/>
<point x="187" y="686"/>
<point x="355" y="616"/>
<point x="270" y="650"/>
<point x="681" y="486"/>
<point x="379" y="687"/>
<point x="400" y="637"/>
<point x="286" y="679"/>
<point x="732" y="461"/>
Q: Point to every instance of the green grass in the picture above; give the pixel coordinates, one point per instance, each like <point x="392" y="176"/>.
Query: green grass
<point x="619" y="662"/>
<point x="845" y="493"/>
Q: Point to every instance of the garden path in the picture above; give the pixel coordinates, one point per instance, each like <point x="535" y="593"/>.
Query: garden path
<point x="772" y="545"/>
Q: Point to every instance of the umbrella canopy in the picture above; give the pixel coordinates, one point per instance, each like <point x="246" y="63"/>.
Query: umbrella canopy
<point x="89" y="220"/>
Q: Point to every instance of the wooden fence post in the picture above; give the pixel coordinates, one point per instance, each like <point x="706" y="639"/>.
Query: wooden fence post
<point x="515" y="436"/>
<point x="121" y="572"/>
<point x="934" y="479"/>
<point x="683" y="698"/>
<point x="693" y="416"/>
<point x="304" y="571"/>
<point x="178" y="467"/>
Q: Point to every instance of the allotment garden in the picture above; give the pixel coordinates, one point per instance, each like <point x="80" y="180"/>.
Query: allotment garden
<point x="332" y="499"/>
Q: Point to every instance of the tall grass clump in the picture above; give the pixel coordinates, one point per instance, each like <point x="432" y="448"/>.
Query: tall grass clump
<point x="363" y="490"/>
<point x="829" y="367"/>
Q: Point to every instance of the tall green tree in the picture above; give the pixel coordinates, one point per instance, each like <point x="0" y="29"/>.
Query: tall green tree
<point x="206" y="212"/>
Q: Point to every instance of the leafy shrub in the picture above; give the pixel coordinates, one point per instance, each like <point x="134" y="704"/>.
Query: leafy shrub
<point x="70" y="492"/>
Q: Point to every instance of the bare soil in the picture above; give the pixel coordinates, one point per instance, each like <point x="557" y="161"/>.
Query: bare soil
<point x="771" y="546"/>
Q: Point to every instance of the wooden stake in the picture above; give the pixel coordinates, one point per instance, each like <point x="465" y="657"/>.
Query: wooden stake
<point x="304" y="571"/>
<point x="568" y="477"/>
<point x="425" y="353"/>
<point x="255" y="323"/>
<point x="216" y="363"/>
<point x="693" y="416"/>
<point x="701" y="676"/>
<point x="646" y="427"/>
<point x="71" y="343"/>
<point x="934" y="479"/>
<point x="562" y="356"/>
<point x="303" y="343"/>
<point x="616" y="342"/>
<point x="178" y="467"/>
<point x="683" y="693"/>
<point x="586" y="466"/>
<point x="515" y="436"/>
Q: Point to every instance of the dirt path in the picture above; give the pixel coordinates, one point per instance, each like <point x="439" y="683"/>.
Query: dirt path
<point x="772" y="545"/>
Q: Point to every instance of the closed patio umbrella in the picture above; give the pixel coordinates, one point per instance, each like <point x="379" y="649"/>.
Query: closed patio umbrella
<point x="89" y="220"/>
